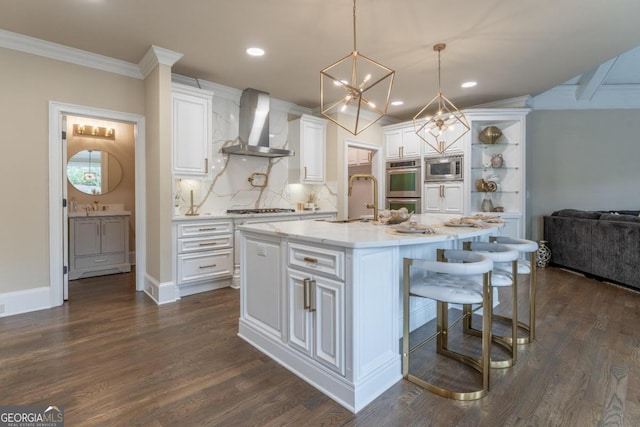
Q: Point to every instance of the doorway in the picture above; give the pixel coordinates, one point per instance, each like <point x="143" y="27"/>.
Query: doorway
<point x="362" y="158"/>
<point x="58" y="206"/>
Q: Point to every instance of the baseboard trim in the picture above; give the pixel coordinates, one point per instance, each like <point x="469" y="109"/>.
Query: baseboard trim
<point x="19" y="302"/>
<point x="160" y="293"/>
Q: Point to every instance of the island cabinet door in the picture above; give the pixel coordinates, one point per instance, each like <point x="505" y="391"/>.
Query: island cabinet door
<point x="316" y="318"/>
<point x="299" y="314"/>
<point x="328" y="303"/>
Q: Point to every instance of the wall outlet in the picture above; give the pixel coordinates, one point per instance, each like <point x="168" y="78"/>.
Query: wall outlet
<point x="1" y="308"/>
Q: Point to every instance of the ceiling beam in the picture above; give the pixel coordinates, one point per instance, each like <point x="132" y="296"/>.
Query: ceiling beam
<point x="591" y="81"/>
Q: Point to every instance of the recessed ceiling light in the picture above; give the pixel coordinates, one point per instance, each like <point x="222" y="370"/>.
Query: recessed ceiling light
<point x="397" y="103"/>
<point x="468" y="84"/>
<point x="255" y="51"/>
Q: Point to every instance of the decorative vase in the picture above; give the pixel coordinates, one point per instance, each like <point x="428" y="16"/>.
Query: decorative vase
<point x="487" y="205"/>
<point x="497" y="161"/>
<point x="490" y="135"/>
<point x="543" y="256"/>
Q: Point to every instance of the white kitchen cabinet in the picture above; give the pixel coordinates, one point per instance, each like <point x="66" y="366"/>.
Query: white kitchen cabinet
<point x="98" y="246"/>
<point x="307" y="138"/>
<point x="204" y="259"/>
<point x="192" y="129"/>
<point x="507" y="169"/>
<point x="315" y="281"/>
<point x="446" y="197"/>
<point x="315" y="309"/>
<point x="359" y="157"/>
<point x="447" y="145"/>
<point x="402" y="142"/>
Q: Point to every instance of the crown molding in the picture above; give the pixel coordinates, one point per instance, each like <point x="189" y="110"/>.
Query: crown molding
<point x="157" y="56"/>
<point x="516" y="102"/>
<point x="34" y="46"/>
<point x="233" y="95"/>
<point x="565" y="97"/>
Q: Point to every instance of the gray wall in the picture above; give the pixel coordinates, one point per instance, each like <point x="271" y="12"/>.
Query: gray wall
<point x="581" y="159"/>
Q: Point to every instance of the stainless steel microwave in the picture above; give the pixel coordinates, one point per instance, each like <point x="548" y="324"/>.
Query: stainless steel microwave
<point x="446" y="168"/>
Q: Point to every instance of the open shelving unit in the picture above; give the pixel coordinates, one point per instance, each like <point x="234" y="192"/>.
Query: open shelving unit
<point x="509" y="177"/>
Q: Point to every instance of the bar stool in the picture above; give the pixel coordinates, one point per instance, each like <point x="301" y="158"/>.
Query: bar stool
<point x="498" y="277"/>
<point x="447" y="281"/>
<point x="524" y="247"/>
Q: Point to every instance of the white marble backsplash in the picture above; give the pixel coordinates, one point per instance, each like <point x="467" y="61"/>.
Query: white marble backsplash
<point x="228" y="186"/>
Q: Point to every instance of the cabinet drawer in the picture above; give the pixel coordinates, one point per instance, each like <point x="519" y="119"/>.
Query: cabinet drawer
<point x="319" y="260"/>
<point x="204" y="228"/>
<point x="198" y="244"/>
<point x="205" y="265"/>
<point x="104" y="260"/>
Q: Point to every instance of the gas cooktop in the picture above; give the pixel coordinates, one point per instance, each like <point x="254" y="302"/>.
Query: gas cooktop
<point x="259" y="211"/>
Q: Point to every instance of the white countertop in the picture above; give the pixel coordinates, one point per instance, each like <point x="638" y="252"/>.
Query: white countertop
<point x="223" y="215"/>
<point x="367" y="234"/>
<point x="98" y="213"/>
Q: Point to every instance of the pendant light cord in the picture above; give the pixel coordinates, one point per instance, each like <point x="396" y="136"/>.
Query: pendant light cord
<point x="354" y="26"/>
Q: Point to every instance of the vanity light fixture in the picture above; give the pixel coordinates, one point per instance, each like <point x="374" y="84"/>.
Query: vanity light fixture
<point x="95" y="131"/>
<point x="445" y="126"/>
<point x="355" y="90"/>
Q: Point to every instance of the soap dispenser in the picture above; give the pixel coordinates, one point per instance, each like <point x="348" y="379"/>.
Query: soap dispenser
<point x="95" y="205"/>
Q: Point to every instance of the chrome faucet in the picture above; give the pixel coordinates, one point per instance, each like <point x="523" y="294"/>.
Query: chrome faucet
<point x="373" y="205"/>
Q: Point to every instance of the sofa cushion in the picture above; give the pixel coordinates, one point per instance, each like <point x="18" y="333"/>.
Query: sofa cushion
<point x="576" y="213"/>
<point x="618" y="217"/>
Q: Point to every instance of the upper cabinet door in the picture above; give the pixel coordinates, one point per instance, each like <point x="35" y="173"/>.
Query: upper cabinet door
<point x="393" y="144"/>
<point x="192" y="115"/>
<point x="402" y="143"/>
<point x="307" y="138"/>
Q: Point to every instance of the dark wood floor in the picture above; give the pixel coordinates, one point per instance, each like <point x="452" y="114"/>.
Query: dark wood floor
<point x="111" y="357"/>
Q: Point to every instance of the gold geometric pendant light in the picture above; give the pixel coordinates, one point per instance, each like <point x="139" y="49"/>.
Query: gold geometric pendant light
<point x="440" y="124"/>
<point x="355" y="91"/>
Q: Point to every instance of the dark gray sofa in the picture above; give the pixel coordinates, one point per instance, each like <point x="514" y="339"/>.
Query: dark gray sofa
<point x="601" y="244"/>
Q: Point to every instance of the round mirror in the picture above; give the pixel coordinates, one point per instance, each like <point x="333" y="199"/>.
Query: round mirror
<point x="94" y="172"/>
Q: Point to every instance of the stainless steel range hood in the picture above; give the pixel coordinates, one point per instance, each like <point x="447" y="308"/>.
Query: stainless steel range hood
<point x="254" y="127"/>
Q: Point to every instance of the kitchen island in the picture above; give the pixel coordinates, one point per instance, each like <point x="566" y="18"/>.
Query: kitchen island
<point x="323" y="299"/>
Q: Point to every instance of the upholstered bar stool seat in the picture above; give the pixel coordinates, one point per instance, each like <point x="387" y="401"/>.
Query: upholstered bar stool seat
<point x="525" y="247"/>
<point x="498" y="277"/>
<point x="449" y="280"/>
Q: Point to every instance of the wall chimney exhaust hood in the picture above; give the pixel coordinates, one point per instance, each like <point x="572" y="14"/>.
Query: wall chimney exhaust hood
<point x="254" y="127"/>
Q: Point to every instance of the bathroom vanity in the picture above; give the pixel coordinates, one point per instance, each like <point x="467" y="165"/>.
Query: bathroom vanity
<point x="98" y="243"/>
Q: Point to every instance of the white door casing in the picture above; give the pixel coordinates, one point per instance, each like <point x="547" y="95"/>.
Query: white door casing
<point x="57" y="181"/>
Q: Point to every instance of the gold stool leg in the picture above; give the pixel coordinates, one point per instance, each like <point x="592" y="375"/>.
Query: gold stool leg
<point x="482" y="365"/>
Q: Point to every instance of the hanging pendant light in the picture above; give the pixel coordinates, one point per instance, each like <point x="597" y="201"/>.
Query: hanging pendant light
<point x="355" y="91"/>
<point x="89" y="176"/>
<point x="440" y="124"/>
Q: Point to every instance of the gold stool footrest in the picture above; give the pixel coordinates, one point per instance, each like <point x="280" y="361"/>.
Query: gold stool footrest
<point x="520" y="340"/>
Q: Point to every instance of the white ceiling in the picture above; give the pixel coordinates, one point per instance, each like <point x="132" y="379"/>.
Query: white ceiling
<point x="511" y="48"/>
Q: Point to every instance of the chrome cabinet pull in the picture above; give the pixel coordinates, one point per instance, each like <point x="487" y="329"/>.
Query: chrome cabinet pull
<point x="206" y="165"/>
<point x="309" y="259"/>
<point x="100" y="260"/>
<point x="207" y="266"/>
<point x="207" y="229"/>
<point x="401" y="151"/>
<point x="207" y="244"/>
<point x="305" y="172"/>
